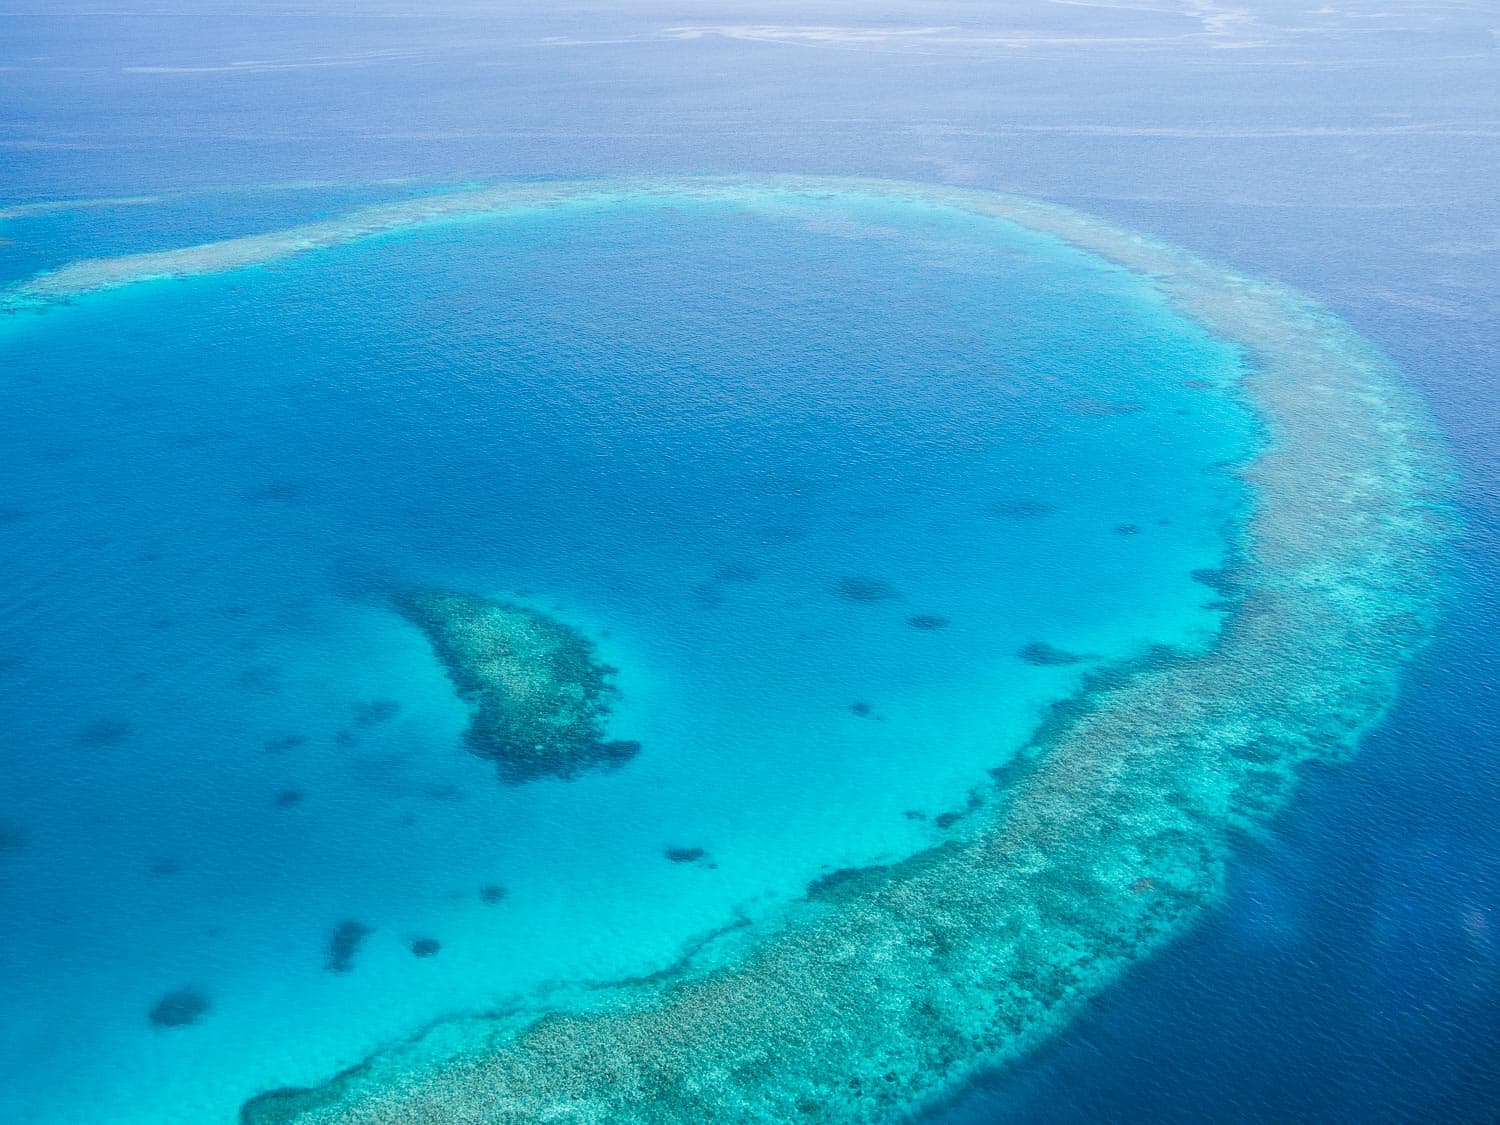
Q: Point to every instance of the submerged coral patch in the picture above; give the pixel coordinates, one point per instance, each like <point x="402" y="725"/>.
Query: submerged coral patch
<point x="1043" y="655"/>
<point x="847" y="883"/>
<point x="12" y="839"/>
<point x="344" y="943"/>
<point x="733" y="572"/>
<point x="179" y="1008"/>
<point x="1218" y="580"/>
<point x="538" y="699"/>
<point x="262" y="678"/>
<point x="928" y="622"/>
<point x="290" y="491"/>
<point x="855" y="589"/>
<point x="104" y="732"/>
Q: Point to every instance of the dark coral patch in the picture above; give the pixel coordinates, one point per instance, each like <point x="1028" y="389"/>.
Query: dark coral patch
<point x="104" y="732"/>
<point x="12" y="839"/>
<point x="734" y="573"/>
<point x="1219" y="581"/>
<point x="928" y="622"/>
<point x="180" y="1008"/>
<point x="344" y="943"/>
<point x="262" y="678"/>
<point x="848" y="882"/>
<point x="1043" y="655"/>
<point x="425" y="947"/>
<point x="492" y="893"/>
<point x="855" y="589"/>
<point x="685" y="855"/>
<point x="538" y="698"/>
<point x="947" y="820"/>
<point x="279" y="492"/>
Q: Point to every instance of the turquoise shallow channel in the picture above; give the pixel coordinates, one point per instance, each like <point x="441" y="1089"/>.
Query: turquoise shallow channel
<point x="660" y="649"/>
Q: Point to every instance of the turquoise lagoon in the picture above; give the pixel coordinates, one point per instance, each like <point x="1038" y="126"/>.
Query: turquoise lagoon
<point x="973" y="573"/>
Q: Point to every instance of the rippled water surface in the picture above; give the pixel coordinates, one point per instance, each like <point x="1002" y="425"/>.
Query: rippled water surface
<point x="849" y="490"/>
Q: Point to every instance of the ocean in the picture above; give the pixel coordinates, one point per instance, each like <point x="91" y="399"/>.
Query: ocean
<point x="859" y="490"/>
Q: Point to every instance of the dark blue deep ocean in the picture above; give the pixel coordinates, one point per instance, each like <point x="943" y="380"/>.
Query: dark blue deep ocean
<point x="1348" y="149"/>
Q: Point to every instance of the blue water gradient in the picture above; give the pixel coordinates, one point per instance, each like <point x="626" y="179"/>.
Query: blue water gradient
<point x="1341" y="147"/>
<point x="682" y="429"/>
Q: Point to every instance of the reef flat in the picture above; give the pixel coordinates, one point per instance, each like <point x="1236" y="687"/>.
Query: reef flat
<point x="538" y="698"/>
<point x="883" y="989"/>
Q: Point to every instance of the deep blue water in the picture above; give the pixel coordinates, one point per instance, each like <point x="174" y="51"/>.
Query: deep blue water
<point x="1352" y="971"/>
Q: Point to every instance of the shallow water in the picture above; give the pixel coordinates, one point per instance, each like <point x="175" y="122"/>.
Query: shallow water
<point x="850" y="490"/>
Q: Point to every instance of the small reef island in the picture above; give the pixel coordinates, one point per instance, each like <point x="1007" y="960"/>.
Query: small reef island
<point x="538" y="697"/>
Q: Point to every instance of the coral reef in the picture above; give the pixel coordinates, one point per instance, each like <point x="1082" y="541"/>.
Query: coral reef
<point x="855" y="589"/>
<point x="12" y="839"/>
<point x="344" y="943"/>
<point x="870" y="998"/>
<point x="104" y="732"/>
<point x="1043" y="655"/>
<point x="179" y="1008"/>
<point x="538" y="699"/>
<point x="928" y="622"/>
